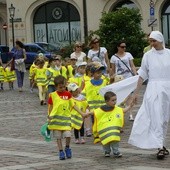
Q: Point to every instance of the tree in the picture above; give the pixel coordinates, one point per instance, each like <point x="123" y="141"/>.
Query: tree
<point x="122" y="24"/>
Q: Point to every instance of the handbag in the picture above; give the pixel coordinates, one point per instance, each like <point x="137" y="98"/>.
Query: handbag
<point x="125" y="65"/>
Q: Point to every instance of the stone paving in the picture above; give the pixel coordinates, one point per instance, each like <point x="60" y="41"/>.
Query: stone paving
<point x="23" y="148"/>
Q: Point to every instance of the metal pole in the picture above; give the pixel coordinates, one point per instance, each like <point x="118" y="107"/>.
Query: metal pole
<point x="85" y="19"/>
<point x="5" y="37"/>
<point x="13" y="39"/>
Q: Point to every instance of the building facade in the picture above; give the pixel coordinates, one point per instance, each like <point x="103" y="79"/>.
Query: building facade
<point x="61" y="22"/>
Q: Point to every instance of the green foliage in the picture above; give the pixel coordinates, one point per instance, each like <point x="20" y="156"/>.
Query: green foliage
<point x="66" y="51"/>
<point x="123" y="24"/>
<point x="137" y="61"/>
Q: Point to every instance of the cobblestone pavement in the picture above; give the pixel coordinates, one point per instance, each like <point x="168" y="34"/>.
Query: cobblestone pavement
<point x="23" y="148"/>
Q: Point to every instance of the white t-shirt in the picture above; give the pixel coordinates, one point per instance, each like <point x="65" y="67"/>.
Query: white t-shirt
<point x="93" y="55"/>
<point x="121" y="69"/>
<point x="80" y="57"/>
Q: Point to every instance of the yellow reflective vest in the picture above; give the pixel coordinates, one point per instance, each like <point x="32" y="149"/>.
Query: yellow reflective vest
<point x="107" y="125"/>
<point x="60" y="116"/>
<point x="94" y="99"/>
<point x="70" y="71"/>
<point x="10" y="75"/>
<point x="76" y="118"/>
<point x="52" y="75"/>
<point x="2" y="74"/>
<point x="40" y="76"/>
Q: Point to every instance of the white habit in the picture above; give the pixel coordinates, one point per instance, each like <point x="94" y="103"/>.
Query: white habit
<point x="151" y="122"/>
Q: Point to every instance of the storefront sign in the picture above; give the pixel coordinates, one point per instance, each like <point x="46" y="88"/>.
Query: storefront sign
<point x="58" y="33"/>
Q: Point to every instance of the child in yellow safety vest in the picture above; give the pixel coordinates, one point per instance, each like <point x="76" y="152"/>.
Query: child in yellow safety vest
<point x="41" y="80"/>
<point x="60" y="104"/>
<point x="108" y="121"/>
<point x="93" y="86"/>
<point x="31" y="73"/>
<point x="76" y="119"/>
<point x="79" y="75"/>
<point x="10" y="77"/>
<point x="2" y="76"/>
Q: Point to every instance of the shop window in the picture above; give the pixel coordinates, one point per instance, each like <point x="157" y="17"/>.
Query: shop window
<point x="165" y="21"/>
<point x="57" y="23"/>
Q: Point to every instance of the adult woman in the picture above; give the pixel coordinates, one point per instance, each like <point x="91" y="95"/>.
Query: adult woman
<point x="97" y="53"/>
<point x="151" y="123"/>
<point x="19" y="57"/>
<point x="78" y="54"/>
<point x="122" y="64"/>
<point x="122" y="61"/>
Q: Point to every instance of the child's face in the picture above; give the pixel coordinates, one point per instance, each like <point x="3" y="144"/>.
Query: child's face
<point x="57" y="62"/>
<point x="81" y="69"/>
<point x="112" y="101"/>
<point x="61" y="87"/>
<point x="97" y="75"/>
<point x="67" y="62"/>
<point x="73" y="61"/>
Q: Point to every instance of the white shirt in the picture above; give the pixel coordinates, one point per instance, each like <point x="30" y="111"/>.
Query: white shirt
<point x="80" y="56"/>
<point x="121" y="69"/>
<point x="93" y="55"/>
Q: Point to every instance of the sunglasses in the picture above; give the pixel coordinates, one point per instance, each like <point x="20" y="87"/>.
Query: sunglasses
<point x="79" y="46"/>
<point x="122" y="46"/>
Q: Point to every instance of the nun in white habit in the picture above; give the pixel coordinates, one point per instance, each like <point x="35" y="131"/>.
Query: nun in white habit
<point x="151" y="122"/>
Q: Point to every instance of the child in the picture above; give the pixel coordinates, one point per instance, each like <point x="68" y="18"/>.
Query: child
<point x="10" y="76"/>
<point x="58" y="64"/>
<point x="51" y="73"/>
<point x="79" y="76"/>
<point x="93" y="86"/>
<point x="41" y="79"/>
<point x="59" y="107"/>
<point x="77" y="121"/>
<point x="31" y="73"/>
<point x="2" y="76"/>
<point x="108" y="121"/>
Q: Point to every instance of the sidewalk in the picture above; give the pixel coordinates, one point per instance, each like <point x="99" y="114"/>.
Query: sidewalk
<point x="23" y="148"/>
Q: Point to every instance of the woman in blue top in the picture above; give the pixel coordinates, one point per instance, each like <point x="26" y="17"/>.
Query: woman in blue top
<point x="19" y="57"/>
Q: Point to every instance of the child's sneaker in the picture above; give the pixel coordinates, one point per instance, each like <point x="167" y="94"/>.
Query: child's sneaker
<point x="77" y="141"/>
<point x="107" y="154"/>
<point x="61" y="155"/>
<point x="68" y="152"/>
<point x="118" y="154"/>
<point x="82" y="141"/>
<point x="88" y="133"/>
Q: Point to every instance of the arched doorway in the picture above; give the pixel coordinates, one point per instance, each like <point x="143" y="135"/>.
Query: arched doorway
<point x="166" y="22"/>
<point x="124" y="3"/>
<point x="57" y="23"/>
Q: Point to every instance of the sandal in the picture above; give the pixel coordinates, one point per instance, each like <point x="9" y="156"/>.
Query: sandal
<point x="166" y="152"/>
<point x="161" y="154"/>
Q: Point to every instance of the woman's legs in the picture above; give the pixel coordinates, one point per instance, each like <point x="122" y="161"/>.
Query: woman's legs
<point x="20" y="79"/>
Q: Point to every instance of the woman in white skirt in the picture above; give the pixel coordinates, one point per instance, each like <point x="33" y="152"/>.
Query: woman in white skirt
<point x="151" y="123"/>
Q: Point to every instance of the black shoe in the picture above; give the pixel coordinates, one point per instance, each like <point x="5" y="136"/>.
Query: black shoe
<point x="161" y="154"/>
<point x="2" y="88"/>
<point x="42" y="102"/>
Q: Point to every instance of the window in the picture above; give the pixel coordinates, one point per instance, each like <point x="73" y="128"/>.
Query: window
<point x="125" y="3"/>
<point x="57" y="23"/>
<point x="166" y="22"/>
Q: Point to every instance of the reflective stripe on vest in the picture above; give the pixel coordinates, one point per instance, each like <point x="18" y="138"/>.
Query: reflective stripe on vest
<point x="76" y="125"/>
<point x="114" y="136"/>
<point x="109" y="128"/>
